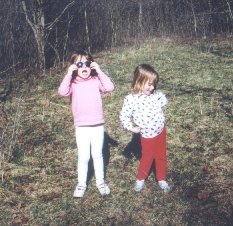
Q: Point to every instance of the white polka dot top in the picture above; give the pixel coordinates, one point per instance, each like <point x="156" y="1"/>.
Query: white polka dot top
<point x="146" y="112"/>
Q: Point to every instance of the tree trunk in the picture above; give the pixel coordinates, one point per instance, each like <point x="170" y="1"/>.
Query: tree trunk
<point x="87" y="32"/>
<point x="140" y="17"/>
<point x="38" y="27"/>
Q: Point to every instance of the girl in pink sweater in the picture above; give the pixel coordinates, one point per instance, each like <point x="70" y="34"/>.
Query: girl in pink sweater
<point x="83" y="83"/>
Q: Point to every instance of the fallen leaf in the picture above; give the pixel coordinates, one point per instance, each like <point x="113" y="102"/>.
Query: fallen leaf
<point x="25" y="219"/>
<point x="6" y="168"/>
<point x="17" y="222"/>
<point x="19" y="205"/>
<point x="50" y="196"/>
<point x="203" y="195"/>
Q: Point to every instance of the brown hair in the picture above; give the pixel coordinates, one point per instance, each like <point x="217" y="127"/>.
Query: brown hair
<point x="142" y="74"/>
<point x="75" y="56"/>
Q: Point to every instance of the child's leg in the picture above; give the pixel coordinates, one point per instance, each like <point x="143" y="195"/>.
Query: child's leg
<point x="97" y="139"/>
<point x="83" y="143"/>
<point x="160" y="155"/>
<point x="96" y="151"/>
<point x="146" y="159"/>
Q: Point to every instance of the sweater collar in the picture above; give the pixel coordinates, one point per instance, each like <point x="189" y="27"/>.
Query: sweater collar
<point x="79" y="79"/>
<point x="141" y="94"/>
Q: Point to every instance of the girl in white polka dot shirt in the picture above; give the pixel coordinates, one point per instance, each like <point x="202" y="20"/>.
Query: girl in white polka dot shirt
<point x="145" y="107"/>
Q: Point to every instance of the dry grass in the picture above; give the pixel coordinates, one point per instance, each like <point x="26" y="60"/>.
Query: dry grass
<point x="38" y="150"/>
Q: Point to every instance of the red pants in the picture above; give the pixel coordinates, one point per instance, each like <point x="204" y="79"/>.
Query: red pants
<point x="153" y="149"/>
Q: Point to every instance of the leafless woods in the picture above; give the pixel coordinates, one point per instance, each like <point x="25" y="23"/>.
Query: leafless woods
<point x="42" y="33"/>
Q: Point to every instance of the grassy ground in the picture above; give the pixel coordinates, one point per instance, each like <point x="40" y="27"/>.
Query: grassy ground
<point x="39" y="156"/>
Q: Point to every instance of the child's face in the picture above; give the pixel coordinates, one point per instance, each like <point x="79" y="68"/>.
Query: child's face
<point x="83" y="71"/>
<point x="148" y="87"/>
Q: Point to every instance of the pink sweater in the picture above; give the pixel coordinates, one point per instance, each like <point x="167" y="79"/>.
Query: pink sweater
<point x="86" y="98"/>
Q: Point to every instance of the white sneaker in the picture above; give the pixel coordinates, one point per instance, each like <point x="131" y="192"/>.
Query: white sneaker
<point x="164" y="185"/>
<point x="139" y="185"/>
<point x="103" y="188"/>
<point x="80" y="190"/>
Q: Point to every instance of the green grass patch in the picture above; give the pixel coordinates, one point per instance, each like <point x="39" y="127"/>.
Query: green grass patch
<point x="39" y="154"/>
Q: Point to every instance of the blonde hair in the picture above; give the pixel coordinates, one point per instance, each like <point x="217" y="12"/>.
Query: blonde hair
<point x="142" y="74"/>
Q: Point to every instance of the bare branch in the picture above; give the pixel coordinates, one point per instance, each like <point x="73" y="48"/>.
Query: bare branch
<point x="32" y="25"/>
<point x="229" y="7"/>
<point x="67" y="7"/>
<point x="1" y="72"/>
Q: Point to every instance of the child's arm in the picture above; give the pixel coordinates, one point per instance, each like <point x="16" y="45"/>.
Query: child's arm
<point x="126" y="113"/>
<point x="135" y="129"/>
<point x="106" y="84"/>
<point x="65" y="86"/>
<point x="161" y="99"/>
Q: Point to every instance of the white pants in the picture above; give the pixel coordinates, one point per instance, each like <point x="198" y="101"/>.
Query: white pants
<point x="90" y="139"/>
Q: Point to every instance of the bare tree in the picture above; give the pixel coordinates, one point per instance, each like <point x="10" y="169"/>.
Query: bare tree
<point x="35" y="17"/>
<point x="37" y="22"/>
<point x="42" y="33"/>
